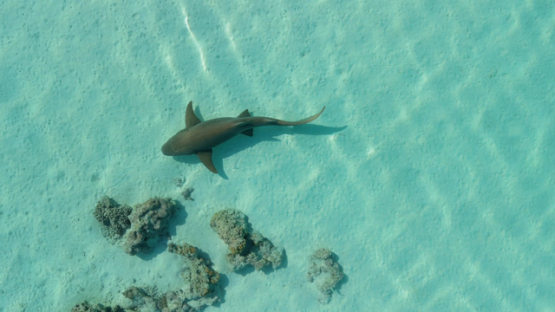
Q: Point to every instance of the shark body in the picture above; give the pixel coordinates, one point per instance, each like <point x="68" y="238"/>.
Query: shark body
<point x="199" y="137"/>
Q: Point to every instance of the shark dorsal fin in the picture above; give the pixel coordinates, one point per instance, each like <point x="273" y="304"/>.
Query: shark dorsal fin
<point x="245" y="113"/>
<point x="206" y="158"/>
<point x="190" y="118"/>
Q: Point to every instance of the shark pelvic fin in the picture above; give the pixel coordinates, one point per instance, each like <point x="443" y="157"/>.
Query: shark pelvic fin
<point x="248" y="132"/>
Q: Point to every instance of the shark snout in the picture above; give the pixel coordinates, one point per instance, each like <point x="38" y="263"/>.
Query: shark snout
<point x="167" y="149"/>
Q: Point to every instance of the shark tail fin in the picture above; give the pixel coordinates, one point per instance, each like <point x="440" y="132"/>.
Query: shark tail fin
<point x="300" y="122"/>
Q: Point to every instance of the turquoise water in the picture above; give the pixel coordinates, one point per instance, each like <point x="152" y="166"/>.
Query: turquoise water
<point x="430" y="174"/>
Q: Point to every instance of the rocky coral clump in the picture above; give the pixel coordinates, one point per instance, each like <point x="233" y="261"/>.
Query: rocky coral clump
<point x="87" y="307"/>
<point x="246" y="246"/>
<point x="138" y="228"/>
<point x="113" y="217"/>
<point x="325" y="273"/>
<point x="198" y="274"/>
<point x="232" y="227"/>
<point x="149" y="222"/>
<point x="149" y="300"/>
<point x="146" y="300"/>
<point x="199" y="290"/>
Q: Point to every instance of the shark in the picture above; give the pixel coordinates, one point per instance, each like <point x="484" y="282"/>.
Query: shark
<point x="199" y="137"/>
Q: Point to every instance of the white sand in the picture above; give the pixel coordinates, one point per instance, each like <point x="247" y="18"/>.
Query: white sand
<point x="430" y="173"/>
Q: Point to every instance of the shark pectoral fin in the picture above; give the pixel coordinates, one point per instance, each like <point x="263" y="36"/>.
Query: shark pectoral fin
<point x="190" y="118"/>
<point x="248" y="132"/>
<point x="206" y="158"/>
<point x="245" y="113"/>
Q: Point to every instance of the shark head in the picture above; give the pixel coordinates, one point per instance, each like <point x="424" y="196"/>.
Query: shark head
<point x="167" y="149"/>
<point x="178" y="145"/>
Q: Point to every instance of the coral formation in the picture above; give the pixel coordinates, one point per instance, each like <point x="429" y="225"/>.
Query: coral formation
<point x="136" y="228"/>
<point x="113" y="217"/>
<point x="140" y="227"/>
<point x="145" y="299"/>
<point x="149" y="300"/>
<point x="149" y="222"/>
<point x="199" y="292"/>
<point x="186" y="193"/>
<point x="246" y="247"/>
<point x="197" y="273"/>
<point x="87" y="307"/>
<point x="178" y="182"/>
<point x="325" y="272"/>
<point x="232" y="227"/>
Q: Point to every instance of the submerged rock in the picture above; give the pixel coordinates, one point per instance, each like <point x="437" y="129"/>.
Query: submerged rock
<point x="246" y="246"/>
<point x="87" y="307"/>
<point x="138" y="229"/>
<point x="149" y="223"/>
<point x="113" y="217"/>
<point x="232" y="227"/>
<point x="325" y="273"/>
<point x="197" y="273"/>
<point x="199" y="291"/>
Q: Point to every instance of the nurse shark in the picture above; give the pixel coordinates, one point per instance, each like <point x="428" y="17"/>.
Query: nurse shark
<point x="199" y="137"/>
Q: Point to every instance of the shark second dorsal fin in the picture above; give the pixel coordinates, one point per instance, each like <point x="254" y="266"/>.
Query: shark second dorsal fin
<point x="245" y="113"/>
<point x="206" y="159"/>
<point x="190" y="118"/>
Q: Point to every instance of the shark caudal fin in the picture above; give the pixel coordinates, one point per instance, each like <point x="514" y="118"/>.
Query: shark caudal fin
<point x="300" y="122"/>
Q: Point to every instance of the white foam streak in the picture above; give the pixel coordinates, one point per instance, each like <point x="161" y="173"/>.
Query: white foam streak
<point x="202" y="60"/>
